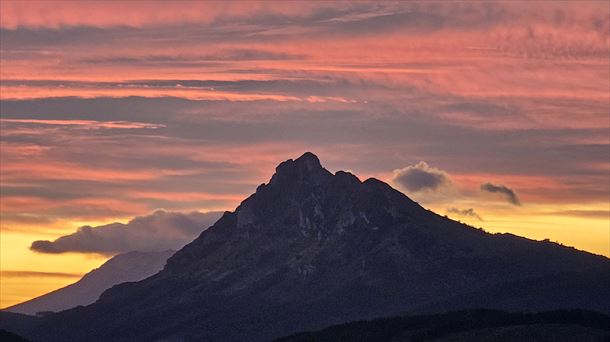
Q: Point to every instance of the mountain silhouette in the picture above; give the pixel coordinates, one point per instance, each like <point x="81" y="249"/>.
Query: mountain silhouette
<point x="131" y="266"/>
<point x="310" y="249"/>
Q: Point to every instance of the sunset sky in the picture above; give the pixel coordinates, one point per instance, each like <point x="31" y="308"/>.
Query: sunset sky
<point x="493" y="113"/>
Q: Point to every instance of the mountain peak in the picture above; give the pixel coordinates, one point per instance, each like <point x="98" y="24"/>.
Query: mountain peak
<point x="309" y="159"/>
<point x="305" y="169"/>
<point x="311" y="248"/>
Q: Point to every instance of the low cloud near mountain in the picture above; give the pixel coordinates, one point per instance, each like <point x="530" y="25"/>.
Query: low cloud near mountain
<point x="159" y="231"/>
<point x="465" y="212"/>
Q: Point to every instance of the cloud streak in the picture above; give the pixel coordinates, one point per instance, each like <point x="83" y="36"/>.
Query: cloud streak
<point x="589" y="214"/>
<point x="88" y="124"/>
<point x="36" y="274"/>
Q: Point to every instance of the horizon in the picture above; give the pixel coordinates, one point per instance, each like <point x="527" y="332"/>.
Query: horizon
<point x="493" y="114"/>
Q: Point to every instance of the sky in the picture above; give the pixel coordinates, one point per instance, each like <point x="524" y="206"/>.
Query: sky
<point x="116" y="113"/>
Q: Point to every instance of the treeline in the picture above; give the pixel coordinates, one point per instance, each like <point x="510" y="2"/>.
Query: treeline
<point x="431" y="327"/>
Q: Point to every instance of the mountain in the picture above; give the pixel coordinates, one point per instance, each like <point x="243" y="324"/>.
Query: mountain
<point x="311" y="249"/>
<point x="471" y="325"/>
<point x="131" y="266"/>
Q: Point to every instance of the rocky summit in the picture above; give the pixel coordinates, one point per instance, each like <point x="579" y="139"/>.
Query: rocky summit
<point x="311" y="249"/>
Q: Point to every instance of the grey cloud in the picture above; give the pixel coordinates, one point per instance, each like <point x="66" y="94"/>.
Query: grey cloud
<point x="223" y="56"/>
<point x="27" y="39"/>
<point x="420" y="177"/>
<point x="100" y="109"/>
<point x="465" y="212"/>
<point x="158" y="231"/>
<point x="483" y="109"/>
<point x="398" y="131"/>
<point x="41" y="191"/>
<point x="63" y="194"/>
<point x="197" y="122"/>
<point x="26" y="218"/>
<point x="509" y="193"/>
<point x="84" y="211"/>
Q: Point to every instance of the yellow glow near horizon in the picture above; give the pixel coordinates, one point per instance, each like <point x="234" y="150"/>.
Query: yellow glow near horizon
<point x="15" y="256"/>
<point x="589" y="234"/>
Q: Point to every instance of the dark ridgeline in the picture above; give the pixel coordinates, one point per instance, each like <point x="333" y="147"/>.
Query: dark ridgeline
<point x="311" y="249"/>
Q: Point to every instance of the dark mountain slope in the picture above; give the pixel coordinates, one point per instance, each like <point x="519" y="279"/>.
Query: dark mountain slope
<point x="536" y="294"/>
<point x="311" y="249"/>
<point x="18" y="324"/>
<point x="6" y="336"/>
<point x="132" y="266"/>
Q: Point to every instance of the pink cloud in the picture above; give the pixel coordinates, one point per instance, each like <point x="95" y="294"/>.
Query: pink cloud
<point x="58" y="14"/>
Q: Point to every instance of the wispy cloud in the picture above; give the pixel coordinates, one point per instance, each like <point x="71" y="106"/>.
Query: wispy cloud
<point x="36" y="274"/>
<point x="88" y="124"/>
<point x="465" y="212"/>
<point x="590" y="214"/>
